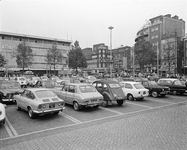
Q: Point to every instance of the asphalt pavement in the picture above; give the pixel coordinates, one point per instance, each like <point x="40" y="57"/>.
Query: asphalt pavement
<point x="164" y="128"/>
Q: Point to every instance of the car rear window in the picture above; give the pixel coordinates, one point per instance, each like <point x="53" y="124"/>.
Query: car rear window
<point x="45" y="93"/>
<point x="114" y="85"/>
<point x="138" y="86"/>
<point x="22" y="79"/>
<point x="87" y="89"/>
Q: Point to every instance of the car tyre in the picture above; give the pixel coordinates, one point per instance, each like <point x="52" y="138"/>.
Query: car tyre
<point x="120" y="102"/>
<point x="174" y="92"/>
<point x="76" y="106"/>
<point x="154" y="94"/>
<point x="56" y="113"/>
<point x="97" y="106"/>
<point x="105" y="103"/>
<point x="31" y="113"/>
<point x="17" y="107"/>
<point x="130" y="97"/>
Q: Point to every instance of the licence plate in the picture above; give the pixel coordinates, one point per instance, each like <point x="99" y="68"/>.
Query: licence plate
<point x="52" y="105"/>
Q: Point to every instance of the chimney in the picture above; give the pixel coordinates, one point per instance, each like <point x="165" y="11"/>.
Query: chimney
<point x="175" y="17"/>
<point x="168" y="15"/>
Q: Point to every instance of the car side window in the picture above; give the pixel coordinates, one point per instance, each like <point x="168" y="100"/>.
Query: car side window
<point x="99" y="86"/>
<point x="128" y="86"/>
<point x="105" y="87"/>
<point x="72" y="89"/>
<point x="32" y="95"/>
<point x="65" y="88"/>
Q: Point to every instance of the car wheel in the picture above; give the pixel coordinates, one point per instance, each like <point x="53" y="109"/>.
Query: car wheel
<point x="154" y="94"/>
<point x="17" y="107"/>
<point x="31" y="113"/>
<point x="130" y="97"/>
<point x="163" y="95"/>
<point x="97" y="106"/>
<point x="174" y="92"/>
<point x="105" y="103"/>
<point x="56" y="113"/>
<point x="120" y="102"/>
<point x="76" y="106"/>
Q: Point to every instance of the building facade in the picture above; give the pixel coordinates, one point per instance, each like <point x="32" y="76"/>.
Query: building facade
<point x="157" y="29"/>
<point x="39" y="46"/>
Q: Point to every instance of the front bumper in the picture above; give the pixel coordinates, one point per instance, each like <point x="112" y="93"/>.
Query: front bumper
<point x="2" y="121"/>
<point x="91" y="104"/>
<point x="48" y="111"/>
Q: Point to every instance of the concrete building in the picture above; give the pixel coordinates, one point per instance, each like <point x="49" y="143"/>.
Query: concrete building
<point x="39" y="45"/>
<point x="122" y="58"/>
<point x="159" y="27"/>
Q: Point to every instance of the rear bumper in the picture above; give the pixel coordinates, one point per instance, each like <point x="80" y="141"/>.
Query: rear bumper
<point x="48" y="111"/>
<point x="91" y="104"/>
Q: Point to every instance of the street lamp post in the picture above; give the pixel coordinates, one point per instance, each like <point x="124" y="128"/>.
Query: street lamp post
<point x="110" y="28"/>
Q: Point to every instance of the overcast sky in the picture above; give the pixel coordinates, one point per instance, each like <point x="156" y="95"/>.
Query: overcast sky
<point x="85" y="20"/>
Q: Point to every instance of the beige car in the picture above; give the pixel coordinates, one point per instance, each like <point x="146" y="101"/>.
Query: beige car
<point x="80" y="95"/>
<point x="39" y="101"/>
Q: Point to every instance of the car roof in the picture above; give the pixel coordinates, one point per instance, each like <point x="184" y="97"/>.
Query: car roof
<point x="77" y="84"/>
<point x="37" y="89"/>
<point x="106" y="81"/>
<point x="172" y="79"/>
<point x="131" y="82"/>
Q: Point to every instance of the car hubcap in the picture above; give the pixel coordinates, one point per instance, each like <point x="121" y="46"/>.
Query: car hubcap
<point x="76" y="106"/>
<point x="154" y="94"/>
<point x="30" y="112"/>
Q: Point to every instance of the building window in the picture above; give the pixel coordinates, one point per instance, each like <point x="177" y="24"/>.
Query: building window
<point x="156" y="28"/>
<point x="152" y="30"/>
<point x="152" y="37"/>
<point x="156" y="36"/>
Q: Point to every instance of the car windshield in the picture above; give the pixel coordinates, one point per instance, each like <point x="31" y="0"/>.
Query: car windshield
<point x="138" y="86"/>
<point x="87" y="89"/>
<point x="178" y="82"/>
<point x="45" y="93"/>
<point x="22" y="79"/>
<point x="9" y="84"/>
<point x="35" y="78"/>
<point x="114" y="85"/>
<point x="152" y="83"/>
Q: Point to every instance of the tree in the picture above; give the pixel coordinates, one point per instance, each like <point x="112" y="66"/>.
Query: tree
<point x="76" y="57"/>
<point x="54" y="56"/>
<point x="3" y="61"/>
<point x="24" y="55"/>
<point x="144" y="54"/>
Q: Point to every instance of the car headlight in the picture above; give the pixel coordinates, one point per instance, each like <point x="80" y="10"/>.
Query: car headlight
<point x="41" y="106"/>
<point x="61" y="104"/>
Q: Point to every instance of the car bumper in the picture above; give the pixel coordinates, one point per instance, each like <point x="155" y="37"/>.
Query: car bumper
<point x="91" y="104"/>
<point x="2" y="121"/>
<point x="141" y="96"/>
<point x="48" y="111"/>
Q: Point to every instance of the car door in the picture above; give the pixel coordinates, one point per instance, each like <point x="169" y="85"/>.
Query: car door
<point x="62" y="93"/>
<point x="70" y="94"/>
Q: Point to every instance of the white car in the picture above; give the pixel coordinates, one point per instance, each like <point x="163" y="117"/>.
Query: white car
<point x="2" y="114"/>
<point x="39" y="101"/>
<point x="134" y="90"/>
<point x="22" y="81"/>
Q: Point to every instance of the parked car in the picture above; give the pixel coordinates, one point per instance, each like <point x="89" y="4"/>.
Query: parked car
<point x="2" y="114"/>
<point x="22" y="81"/>
<point x="39" y="101"/>
<point x="32" y="81"/>
<point x="8" y="89"/>
<point x="134" y="90"/>
<point x="155" y="90"/>
<point x="80" y="95"/>
<point x="111" y="91"/>
<point x="175" y="85"/>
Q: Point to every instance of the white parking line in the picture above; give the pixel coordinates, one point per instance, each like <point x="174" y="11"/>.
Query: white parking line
<point x="149" y="107"/>
<point x="71" y="118"/>
<point x="8" y="130"/>
<point x="160" y="101"/>
<point x="116" y="112"/>
<point x="11" y="127"/>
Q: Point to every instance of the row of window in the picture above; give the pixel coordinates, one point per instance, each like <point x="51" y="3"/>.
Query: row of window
<point x="154" y="29"/>
<point x="32" y="40"/>
<point x="154" y="37"/>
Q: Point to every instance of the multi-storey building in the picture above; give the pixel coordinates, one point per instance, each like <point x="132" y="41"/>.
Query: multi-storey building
<point x="159" y="27"/>
<point x="122" y="58"/>
<point x="39" y="45"/>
